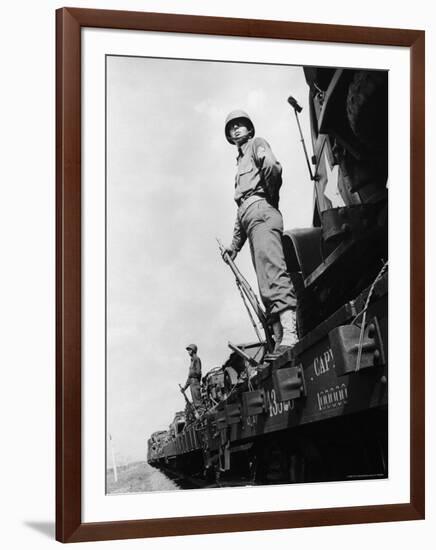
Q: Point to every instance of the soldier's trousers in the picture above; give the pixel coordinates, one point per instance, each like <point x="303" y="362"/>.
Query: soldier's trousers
<point x="263" y="225"/>
<point x="194" y="386"/>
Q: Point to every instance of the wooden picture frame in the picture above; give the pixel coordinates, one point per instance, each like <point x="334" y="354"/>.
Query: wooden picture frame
<point x="69" y="525"/>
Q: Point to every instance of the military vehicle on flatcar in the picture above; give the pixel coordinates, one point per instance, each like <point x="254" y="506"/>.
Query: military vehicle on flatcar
<point x="319" y="411"/>
<point x="155" y="445"/>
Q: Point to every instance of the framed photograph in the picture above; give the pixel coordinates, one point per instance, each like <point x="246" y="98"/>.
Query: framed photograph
<point x="240" y="249"/>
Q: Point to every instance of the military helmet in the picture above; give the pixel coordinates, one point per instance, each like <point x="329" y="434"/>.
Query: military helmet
<point x="193" y="347"/>
<point x="233" y="116"/>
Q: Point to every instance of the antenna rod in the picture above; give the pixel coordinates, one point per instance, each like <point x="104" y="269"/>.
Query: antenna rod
<point x="297" y="109"/>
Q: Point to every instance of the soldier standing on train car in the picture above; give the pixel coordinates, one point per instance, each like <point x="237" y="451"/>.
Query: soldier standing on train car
<point x="194" y="375"/>
<point x="257" y="184"/>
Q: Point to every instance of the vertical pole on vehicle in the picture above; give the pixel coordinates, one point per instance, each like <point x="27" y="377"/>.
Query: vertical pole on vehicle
<point x="297" y="109"/>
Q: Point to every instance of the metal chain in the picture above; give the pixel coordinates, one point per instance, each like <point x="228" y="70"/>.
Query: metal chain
<point x="364" y="310"/>
<point x="371" y="290"/>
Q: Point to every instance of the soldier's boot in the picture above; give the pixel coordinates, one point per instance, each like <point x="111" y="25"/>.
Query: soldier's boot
<point x="288" y="321"/>
<point x="287" y="331"/>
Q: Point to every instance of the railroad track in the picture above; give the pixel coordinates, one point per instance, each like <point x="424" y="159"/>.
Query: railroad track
<point x="185" y="481"/>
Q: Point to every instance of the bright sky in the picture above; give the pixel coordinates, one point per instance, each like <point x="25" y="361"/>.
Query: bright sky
<point x="170" y="182"/>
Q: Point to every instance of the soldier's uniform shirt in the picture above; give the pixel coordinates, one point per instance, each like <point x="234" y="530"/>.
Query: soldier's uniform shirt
<point x="193" y="380"/>
<point x="257" y="184"/>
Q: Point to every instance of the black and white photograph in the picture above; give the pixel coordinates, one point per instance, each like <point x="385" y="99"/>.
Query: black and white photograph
<point x="247" y="269"/>
<point x="215" y="293"/>
<point x="217" y="275"/>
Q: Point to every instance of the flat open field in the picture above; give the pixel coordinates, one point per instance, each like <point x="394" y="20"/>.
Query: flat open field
<point x="137" y="477"/>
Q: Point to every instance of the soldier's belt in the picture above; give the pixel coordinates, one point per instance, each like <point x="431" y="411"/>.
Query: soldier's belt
<point x="244" y="204"/>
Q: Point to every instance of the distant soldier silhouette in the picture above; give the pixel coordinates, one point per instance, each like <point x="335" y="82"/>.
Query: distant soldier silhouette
<point x="257" y="184"/>
<point x="194" y="375"/>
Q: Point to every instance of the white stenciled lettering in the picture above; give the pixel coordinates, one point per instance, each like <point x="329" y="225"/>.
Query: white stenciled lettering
<point x="274" y="403"/>
<point x="332" y="397"/>
<point x="323" y="363"/>
<point x="251" y="420"/>
<point x="276" y="407"/>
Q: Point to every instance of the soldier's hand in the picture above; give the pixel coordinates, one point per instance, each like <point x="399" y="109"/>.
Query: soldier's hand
<point x="229" y="252"/>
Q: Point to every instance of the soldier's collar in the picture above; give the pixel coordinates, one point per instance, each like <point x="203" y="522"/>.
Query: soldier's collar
<point x="243" y="148"/>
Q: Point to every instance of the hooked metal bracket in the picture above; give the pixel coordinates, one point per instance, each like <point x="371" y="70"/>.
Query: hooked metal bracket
<point x="253" y="403"/>
<point x="344" y="342"/>
<point x="289" y="383"/>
